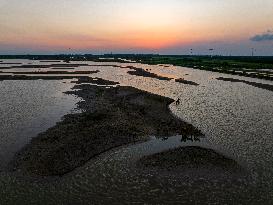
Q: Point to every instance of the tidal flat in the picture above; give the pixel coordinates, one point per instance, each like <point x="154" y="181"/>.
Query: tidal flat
<point x="132" y="136"/>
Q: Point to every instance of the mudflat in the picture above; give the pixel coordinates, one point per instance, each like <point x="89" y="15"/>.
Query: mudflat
<point x="111" y="117"/>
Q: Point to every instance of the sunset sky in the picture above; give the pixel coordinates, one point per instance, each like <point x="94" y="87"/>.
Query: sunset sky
<point x="231" y="27"/>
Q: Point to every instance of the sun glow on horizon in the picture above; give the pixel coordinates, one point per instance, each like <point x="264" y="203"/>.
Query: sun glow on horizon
<point x="125" y="24"/>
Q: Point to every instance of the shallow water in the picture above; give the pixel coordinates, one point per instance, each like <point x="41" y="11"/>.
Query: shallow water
<point x="28" y="108"/>
<point x="115" y="178"/>
<point x="236" y="118"/>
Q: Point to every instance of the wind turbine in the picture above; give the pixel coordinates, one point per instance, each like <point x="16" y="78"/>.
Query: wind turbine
<point x="252" y="51"/>
<point x="211" y="51"/>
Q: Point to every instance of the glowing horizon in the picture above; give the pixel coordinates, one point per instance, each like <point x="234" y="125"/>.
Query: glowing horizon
<point x="168" y="26"/>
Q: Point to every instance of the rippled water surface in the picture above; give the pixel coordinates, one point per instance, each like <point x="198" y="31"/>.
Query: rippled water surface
<point x="236" y="118"/>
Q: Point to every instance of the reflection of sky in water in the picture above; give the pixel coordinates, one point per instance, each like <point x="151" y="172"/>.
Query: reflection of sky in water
<point x="27" y="108"/>
<point x="236" y="118"/>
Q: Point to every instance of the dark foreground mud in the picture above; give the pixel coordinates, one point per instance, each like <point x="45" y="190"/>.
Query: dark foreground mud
<point x="112" y="117"/>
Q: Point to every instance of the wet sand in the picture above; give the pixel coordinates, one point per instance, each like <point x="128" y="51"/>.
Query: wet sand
<point x="113" y="116"/>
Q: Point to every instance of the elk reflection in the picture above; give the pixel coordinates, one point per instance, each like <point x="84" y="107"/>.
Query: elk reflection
<point x="188" y="133"/>
<point x="192" y="138"/>
<point x="185" y="138"/>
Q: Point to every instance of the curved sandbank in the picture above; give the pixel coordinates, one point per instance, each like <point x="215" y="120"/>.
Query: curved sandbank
<point x="39" y="77"/>
<point x="190" y="157"/>
<point x="112" y="116"/>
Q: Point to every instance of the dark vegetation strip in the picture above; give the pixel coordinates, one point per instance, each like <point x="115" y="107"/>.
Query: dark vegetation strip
<point x="25" y="77"/>
<point x="68" y="65"/>
<point x="258" y="85"/>
<point x="50" y="61"/>
<point x="187" y="82"/>
<point x="248" y="66"/>
<point x="112" y="117"/>
<point x="80" y="79"/>
<point x="45" y="66"/>
<point x="136" y="72"/>
<point x="236" y="65"/>
<point x="144" y="73"/>
<point x="91" y="65"/>
<point x="53" y="72"/>
<point x="97" y="81"/>
<point x="9" y="63"/>
<point x="61" y="68"/>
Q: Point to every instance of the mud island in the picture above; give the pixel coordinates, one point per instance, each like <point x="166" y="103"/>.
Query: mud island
<point x="111" y="117"/>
